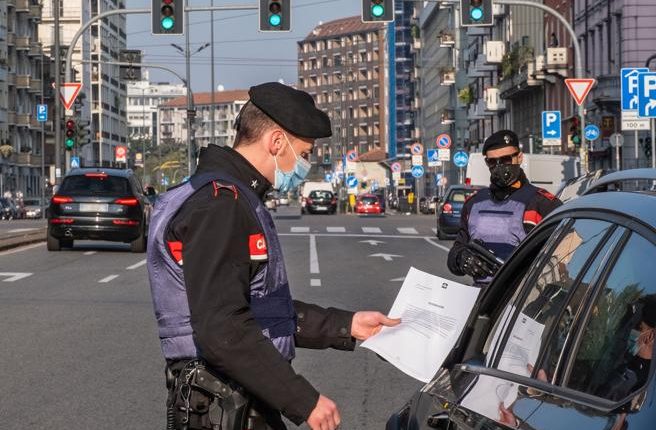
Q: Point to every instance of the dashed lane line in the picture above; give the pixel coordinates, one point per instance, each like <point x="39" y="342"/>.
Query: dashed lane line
<point x="110" y="278"/>
<point x="314" y="257"/>
<point x="407" y="230"/>
<point x="21" y="249"/>
<point x="371" y="230"/>
<point x="315" y="282"/>
<point x="300" y="229"/>
<point x="432" y="242"/>
<point x="136" y="266"/>
<point x="336" y="229"/>
<point x="90" y="252"/>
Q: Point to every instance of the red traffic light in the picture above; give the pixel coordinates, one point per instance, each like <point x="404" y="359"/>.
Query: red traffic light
<point x="70" y="124"/>
<point x="70" y="133"/>
<point x="167" y="2"/>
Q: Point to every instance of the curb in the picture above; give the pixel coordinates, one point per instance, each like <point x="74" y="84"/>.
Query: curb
<point x="23" y="239"/>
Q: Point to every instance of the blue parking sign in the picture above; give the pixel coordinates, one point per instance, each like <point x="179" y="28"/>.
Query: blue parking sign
<point x="42" y="113"/>
<point x="432" y="155"/>
<point x="647" y="95"/>
<point x="630" y="87"/>
<point x="551" y="125"/>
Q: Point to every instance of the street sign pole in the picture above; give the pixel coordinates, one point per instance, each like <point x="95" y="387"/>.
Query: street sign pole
<point x="653" y="143"/>
<point x="635" y="146"/>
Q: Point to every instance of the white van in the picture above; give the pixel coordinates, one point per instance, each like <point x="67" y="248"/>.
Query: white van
<point x="543" y="170"/>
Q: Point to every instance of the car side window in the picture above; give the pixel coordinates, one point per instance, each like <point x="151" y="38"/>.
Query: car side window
<point x="545" y="295"/>
<point x="615" y="348"/>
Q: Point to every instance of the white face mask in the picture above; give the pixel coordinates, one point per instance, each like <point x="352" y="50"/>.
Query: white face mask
<point x="285" y="181"/>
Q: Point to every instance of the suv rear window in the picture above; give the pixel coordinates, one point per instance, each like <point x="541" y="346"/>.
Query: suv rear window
<point x="321" y="195"/>
<point x="106" y="185"/>
<point x="459" y="196"/>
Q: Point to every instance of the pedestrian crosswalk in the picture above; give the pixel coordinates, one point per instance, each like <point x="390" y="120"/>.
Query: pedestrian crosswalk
<point x="368" y="230"/>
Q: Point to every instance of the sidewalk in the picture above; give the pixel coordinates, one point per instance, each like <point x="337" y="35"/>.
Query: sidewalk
<point x="13" y="236"/>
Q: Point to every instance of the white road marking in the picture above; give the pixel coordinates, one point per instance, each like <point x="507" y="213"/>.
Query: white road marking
<point x="398" y="279"/>
<point x="407" y="230"/>
<point x="432" y="242"/>
<point x="314" y="258"/>
<point x="300" y="229"/>
<point x="372" y="242"/>
<point x="135" y="266"/>
<point x="315" y="282"/>
<point x="21" y="249"/>
<point x="386" y="257"/>
<point x="336" y="229"/>
<point x="108" y="279"/>
<point x="14" y="276"/>
<point x="434" y="230"/>
<point x="381" y="236"/>
<point x="90" y="252"/>
<point x="371" y="230"/>
<point x="21" y="230"/>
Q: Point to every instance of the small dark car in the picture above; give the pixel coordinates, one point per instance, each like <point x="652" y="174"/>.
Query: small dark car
<point x="99" y="204"/>
<point x="563" y="336"/>
<point x="321" y="201"/>
<point x="449" y="209"/>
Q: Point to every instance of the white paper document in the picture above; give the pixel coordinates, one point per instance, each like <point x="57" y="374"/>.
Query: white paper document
<point x="433" y="312"/>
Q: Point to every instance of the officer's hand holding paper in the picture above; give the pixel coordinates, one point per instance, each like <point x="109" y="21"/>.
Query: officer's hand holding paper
<point x="433" y="312"/>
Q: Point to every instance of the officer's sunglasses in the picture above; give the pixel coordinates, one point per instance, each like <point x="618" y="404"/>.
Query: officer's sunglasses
<point x="506" y="159"/>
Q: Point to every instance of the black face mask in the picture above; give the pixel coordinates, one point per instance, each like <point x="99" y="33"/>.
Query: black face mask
<point x="504" y="175"/>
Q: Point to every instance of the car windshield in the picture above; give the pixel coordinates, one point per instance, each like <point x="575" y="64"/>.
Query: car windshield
<point x="459" y="196"/>
<point x="369" y="200"/>
<point x="31" y="202"/>
<point x="95" y="184"/>
<point x="321" y="195"/>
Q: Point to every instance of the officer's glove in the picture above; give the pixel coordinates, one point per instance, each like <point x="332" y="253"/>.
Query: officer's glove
<point x="474" y="266"/>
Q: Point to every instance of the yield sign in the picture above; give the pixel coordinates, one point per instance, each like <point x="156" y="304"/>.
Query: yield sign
<point x="580" y="88"/>
<point x="68" y="91"/>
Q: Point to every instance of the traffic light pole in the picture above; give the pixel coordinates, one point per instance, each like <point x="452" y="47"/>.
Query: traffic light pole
<point x="100" y="16"/>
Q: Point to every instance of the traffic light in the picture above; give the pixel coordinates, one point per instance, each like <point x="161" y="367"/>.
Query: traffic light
<point x="646" y="146"/>
<point x="476" y="13"/>
<point x="71" y="134"/>
<point x="167" y="17"/>
<point x="377" y="10"/>
<point x="575" y="131"/>
<point x="275" y="15"/>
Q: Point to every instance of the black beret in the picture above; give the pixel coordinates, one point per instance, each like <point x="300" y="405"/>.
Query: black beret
<point x="500" y="139"/>
<point x="292" y="109"/>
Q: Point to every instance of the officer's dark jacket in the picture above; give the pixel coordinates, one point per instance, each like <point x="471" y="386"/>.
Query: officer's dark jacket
<point x="219" y="254"/>
<point x="538" y="207"/>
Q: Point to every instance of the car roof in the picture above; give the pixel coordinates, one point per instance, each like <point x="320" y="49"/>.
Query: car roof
<point x="125" y="173"/>
<point x="638" y="205"/>
<point x="622" y="175"/>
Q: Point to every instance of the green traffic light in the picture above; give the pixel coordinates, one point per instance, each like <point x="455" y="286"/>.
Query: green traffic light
<point x="476" y="13"/>
<point x="168" y="22"/>
<point x="70" y="143"/>
<point x="377" y="10"/>
<point x="275" y="20"/>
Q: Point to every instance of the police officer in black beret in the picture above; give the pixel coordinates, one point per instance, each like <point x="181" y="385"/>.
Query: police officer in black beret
<point x="240" y="317"/>
<point x="498" y="217"/>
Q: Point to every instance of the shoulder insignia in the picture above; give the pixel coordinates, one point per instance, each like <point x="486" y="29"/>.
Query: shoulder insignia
<point x="546" y="194"/>
<point x="219" y="186"/>
<point x="258" y="247"/>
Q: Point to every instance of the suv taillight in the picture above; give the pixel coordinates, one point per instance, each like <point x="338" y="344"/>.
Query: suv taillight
<point x="447" y="208"/>
<point x="61" y="199"/>
<point x="308" y="201"/>
<point x="130" y="201"/>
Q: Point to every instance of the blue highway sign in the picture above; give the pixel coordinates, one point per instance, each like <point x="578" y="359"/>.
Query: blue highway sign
<point x="647" y="95"/>
<point x="551" y="125"/>
<point x="432" y="155"/>
<point x="630" y="87"/>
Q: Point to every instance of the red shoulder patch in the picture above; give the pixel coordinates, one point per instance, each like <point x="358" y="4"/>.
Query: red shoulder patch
<point x="258" y="247"/>
<point x="546" y="194"/>
<point x="219" y="186"/>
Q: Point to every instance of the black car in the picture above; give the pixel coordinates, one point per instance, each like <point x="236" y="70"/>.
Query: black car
<point x="99" y="204"/>
<point x="563" y="336"/>
<point x="321" y="201"/>
<point x="449" y="209"/>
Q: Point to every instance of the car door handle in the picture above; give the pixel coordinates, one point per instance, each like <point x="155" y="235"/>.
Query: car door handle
<point x="438" y="421"/>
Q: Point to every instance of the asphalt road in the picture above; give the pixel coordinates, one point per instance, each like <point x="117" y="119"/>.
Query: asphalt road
<point x="79" y="348"/>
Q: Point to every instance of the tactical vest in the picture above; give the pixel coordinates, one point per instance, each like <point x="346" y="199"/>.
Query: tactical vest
<point x="271" y="301"/>
<point x="499" y="224"/>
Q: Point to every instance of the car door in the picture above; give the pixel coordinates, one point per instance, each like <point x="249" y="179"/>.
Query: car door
<point x="605" y="381"/>
<point x="501" y="394"/>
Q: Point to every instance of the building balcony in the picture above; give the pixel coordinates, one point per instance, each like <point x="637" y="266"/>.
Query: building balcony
<point x="11" y="117"/>
<point x="22" y="5"/>
<point x="35" y="85"/>
<point x="493" y="102"/>
<point x="22" y="43"/>
<point x="448" y="117"/>
<point x="11" y="3"/>
<point x="35" y="50"/>
<point x="35" y="12"/>
<point x="11" y="38"/>
<point x="3" y="75"/>
<point x="447" y="39"/>
<point x="494" y="51"/>
<point x="11" y="79"/>
<point x="607" y="90"/>
<point x="23" y="81"/>
<point x="25" y="159"/>
<point x="517" y="84"/>
<point x="23" y="119"/>
<point x="476" y="110"/>
<point x="447" y="76"/>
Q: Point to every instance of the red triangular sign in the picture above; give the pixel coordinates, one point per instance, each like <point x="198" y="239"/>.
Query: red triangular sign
<point x="68" y="91"/>
<point x="580" y="88"/>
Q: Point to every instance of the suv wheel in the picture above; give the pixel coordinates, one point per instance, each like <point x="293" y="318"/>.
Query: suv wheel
<point x="441" y="235"/>
<point x="53" y="243"/>
<point x="139" y="244"/>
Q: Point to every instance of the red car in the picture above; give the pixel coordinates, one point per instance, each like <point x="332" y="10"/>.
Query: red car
<point x="368" y="204"/>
